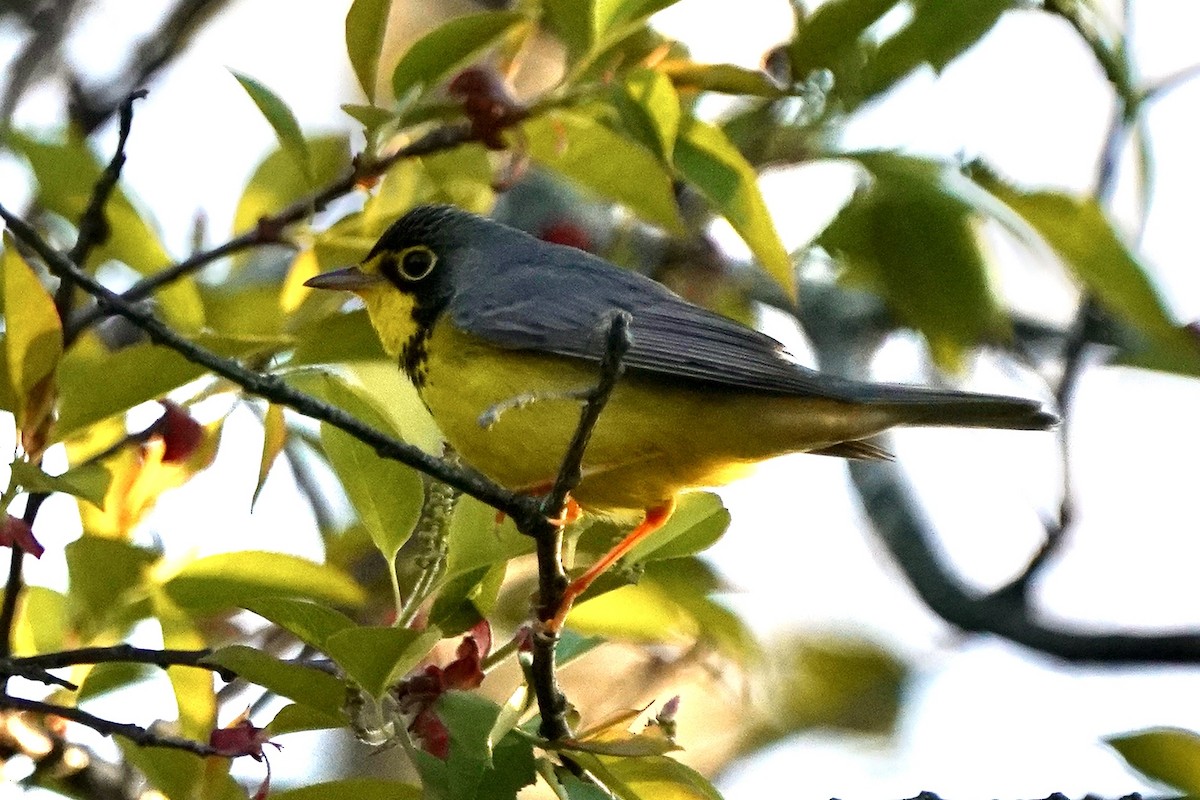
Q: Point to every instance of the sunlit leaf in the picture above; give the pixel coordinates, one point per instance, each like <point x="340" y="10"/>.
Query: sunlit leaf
<point x="649" y="106"/>
<point x="194" y="693"/>
<point x="293" y="293"/>
<point x="42" y="622"/>
<point x="89" y="482"/>
<point x="66" y="174"/>
<point x="375" y="658"/>
<point x="648" y="778"/>
<point x="278" y="181"/>
<point x="698" y="521"/>
<point x="33" y="339"/>
<point x="281" y="119"/>
<point x="723" y="78"/>
<point x="310" y="622"/>
<point x="106" y="576"/>
<point x="370" y="117"/>
<point x="1165" y="755"/>
<point x="467" y="599"/>
<point x="294" y="718"/>
<point x="357" y="788"/>
<point x="339" y="339"/>
<point x="477" y="540"/>
<point x="825" y="37"/>
<point x="237" y="579"/>
<point x="307" y="685"/>
<point x="274" y="438"/>
<point x="452" y="45"/>
<point x="605" y="162"/>
<point x="708" y="160"/>
<point x="366" y="24"/>
<point x="610" y="15"/>
<point x="637" y="613"/>
<point x="104" y="678"/>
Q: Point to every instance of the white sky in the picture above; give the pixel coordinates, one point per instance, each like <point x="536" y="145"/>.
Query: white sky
<point x="983" y="719"/>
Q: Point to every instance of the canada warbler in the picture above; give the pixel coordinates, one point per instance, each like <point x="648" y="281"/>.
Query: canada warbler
<point x="502" y="333"/>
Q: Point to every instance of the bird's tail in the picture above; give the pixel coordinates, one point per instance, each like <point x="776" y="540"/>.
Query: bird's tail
<point x="947" y="408"/>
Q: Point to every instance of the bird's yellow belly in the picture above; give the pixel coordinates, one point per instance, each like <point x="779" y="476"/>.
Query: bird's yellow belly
<point x="653" y="440"/>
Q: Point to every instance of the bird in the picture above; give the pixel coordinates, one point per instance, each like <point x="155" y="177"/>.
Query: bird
<point x="502" y="334"/>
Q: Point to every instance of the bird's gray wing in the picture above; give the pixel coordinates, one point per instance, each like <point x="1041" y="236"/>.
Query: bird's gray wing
<point x="563" y="308"/>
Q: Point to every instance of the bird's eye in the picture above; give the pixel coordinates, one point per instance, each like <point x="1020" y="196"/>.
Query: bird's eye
<point x="416" y="262"/>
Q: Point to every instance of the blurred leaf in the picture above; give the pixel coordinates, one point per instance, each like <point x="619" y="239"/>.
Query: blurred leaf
<point x="467" y="599"/>
<point x="236" y="579"/>
<point x="724" y="78"/>
<point x="709" y="161"/>
<point x="939" y="32"/>
<point x="462" y="176"/>
<point x="8" y="399"/>
<point x="608" y="15"/>
<point x="577" y="789"/>
<point x="699" y="521"/>
<point x="182" y="776"/>
<point x="89" y="482"/>
<point x="307" y="685"/>
<point x="471" y="768"/>
<point x="636" y="613"/>
<point x="648" y="778"/>
<point x="194" y="693"/>
<point x="366" y="24"/>
<point x="274" y="438"/>
<point x="369" y="117"/>
<point x="452" y="45"/>
<point x="1083" y="237"/>
<point x="1165" y="755"/>
<point x="33" y="341"/>
<point x="293" y="292"/>
<point x="104" y="678"/>
<point x="278" y="181"/>
<point x="570" y="21"/>
<point x="294" y="718"/>
<point x="832" y="684"/>
<point x="104" y="575"/>
<point x="830" y="33"/>
<point x="572" y="646"/>
<point x="595" y="157"/>
<point x="281" y="120"/>
<point x="386" y="495"/>
<point x="309" y="622"/>
<point x="42" y="622"/>
<point x="338" y="339"/>
<point x="911" y="236"/>
<point x="96" y="383"/>
<point x="691" y="584"/>
<point x="476" y="540"/>
<point x="649" y="107"/>
<point x="375" y="657"/>
<point x="66" y="174"/>
<point x="356" y="788"/>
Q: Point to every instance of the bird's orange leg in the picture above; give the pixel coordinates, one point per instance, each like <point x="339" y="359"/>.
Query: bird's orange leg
<point x="655" y="518"/>
<point x="570" y="513"/>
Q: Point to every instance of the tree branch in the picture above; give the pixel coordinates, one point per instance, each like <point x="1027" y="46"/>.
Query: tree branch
<point x="134" y="733"/>
<point x="121" y="653"/>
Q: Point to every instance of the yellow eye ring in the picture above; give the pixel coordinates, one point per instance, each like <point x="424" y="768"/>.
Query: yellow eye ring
<point x="416" y="262"/>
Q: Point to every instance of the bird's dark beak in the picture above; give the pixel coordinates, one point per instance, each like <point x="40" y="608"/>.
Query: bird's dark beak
<point x="349" y="279"/>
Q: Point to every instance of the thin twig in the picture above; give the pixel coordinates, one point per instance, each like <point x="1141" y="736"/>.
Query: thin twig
<point x="269" y="228"/>
<point x="552" y="578"/>
<point x="134" y="733"/>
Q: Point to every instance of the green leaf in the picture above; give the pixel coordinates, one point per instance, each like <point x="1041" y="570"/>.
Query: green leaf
<point x="386" y="495"/>
<point x="376" y="657"/>
<point x="472" y="769"/>
<point x="1083" y="237"/>
<point x="89" y="482"/>
<point x="635" y="613"/>
<point x="596" y="158"/>
<point x="723" y="78"/>
<point x="104" y="575"/>
<point x="828" y="35"/>
<point x="278" y="180"/>
<point x="366" y="24"/>
<point x="911" y="236"/>
<point x="33" y="342"/>
<point x="370" y="117"/>
<point x="441" y="51"/>
<point x="294" y="718"/>
<point x="274" y="438"/>
<point x="307" y="685"/>
<point x="356" y="788"/>
<point x="467" y="599"/>
<point x="698" y="522"/>
<point x="338" y="339"/>
<point x="66" y="174"/>
<point x="611" y="18"/>
<point x="476" y="540"/>
<point x="1165" y="755"/>
<point x="96" y="383"/>
<point x="708" y="160"/>
<point x="104" y="678"/>
<point x="42" y="622"/>
<point x="648" y="778"/>
<point x="236" y="579"/>
<point x="281" y="119"/>
<point x="939" y="32"/>
<point x="309" y="622"/>
<point x="649" y="107"/>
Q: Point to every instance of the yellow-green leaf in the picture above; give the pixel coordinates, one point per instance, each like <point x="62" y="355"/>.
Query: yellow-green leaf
<point x="596" y="158"/>
<point x="724" y="78"/>
<point x="236" y="579"/>
<point x="309" y="622"/>
<point x="375" y="658"/>
<point x="274" y="438"/>
<point x="281" y="119"/>
<point x="88" y="482"/>
<point x="366" y="24"/>
<point x="312" y="687"/>
<point x="357" y="788"/>
<point x="294" y="717"/>
<point x="649" y="106"/>
<point x="708" y="160"/>
<point x="278" y="180"/>
<point x="438" y="53"/>
<point x="33" y="343"/>
<point x="1166" y="755"/>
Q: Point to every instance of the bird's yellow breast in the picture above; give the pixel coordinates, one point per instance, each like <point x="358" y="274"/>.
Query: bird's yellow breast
<point x="511" y="415"/>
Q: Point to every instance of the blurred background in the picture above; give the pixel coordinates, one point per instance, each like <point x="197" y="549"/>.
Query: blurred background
<point x="975" y="715"/>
